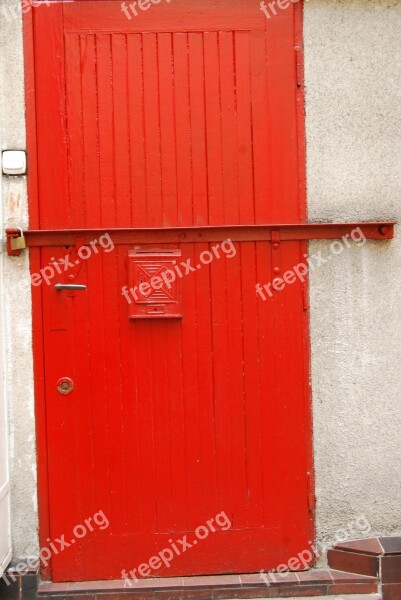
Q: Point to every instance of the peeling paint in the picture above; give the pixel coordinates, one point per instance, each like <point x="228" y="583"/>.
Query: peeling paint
<point x="14" y="204"/>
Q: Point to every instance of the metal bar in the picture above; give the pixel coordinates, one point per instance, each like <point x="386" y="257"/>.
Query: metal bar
<point x="178" y="235"/>
<point x="69" y="287"/>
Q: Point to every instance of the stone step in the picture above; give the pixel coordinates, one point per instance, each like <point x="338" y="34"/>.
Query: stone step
<point x="316" y="582"/>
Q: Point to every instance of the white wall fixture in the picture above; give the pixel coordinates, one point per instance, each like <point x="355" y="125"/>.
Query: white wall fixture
<point x="14" y="162"/>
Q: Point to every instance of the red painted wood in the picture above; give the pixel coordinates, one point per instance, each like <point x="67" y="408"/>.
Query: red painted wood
<point x="173" y="119"/>
<point x="166" y="18"/>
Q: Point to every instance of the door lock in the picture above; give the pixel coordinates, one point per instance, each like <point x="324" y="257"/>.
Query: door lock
<point x="65" y="386"/>
<point x="18" y="243"/>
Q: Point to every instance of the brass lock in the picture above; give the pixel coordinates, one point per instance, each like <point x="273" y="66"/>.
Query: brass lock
<point x="18" y="243"/>
<point x="65" y="386"/>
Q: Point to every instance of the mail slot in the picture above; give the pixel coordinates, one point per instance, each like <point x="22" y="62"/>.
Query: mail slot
<point x="155" y="290"/>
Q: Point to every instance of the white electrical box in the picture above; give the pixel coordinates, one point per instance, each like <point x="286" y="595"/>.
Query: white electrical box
<point x="14" y="162"/>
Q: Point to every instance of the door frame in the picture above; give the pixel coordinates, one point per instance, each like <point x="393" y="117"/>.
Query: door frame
<point x="34" y="258"/>
<point x="34" y="266"/>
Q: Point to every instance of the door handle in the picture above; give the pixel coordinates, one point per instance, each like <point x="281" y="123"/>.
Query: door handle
<point x="69" y="286"/>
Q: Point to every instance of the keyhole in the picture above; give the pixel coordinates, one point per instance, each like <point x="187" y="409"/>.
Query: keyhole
<point x="65" y="386"/>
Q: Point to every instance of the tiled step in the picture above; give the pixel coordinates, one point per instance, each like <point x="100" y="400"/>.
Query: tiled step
<point x="316" y="582"/>
<point x="351" y="597"/>
<point x="372" y="557"/>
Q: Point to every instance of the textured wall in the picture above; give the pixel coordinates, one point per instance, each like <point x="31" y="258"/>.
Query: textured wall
<point x="353" y="103"/>
<point x="17" y="298"/>
<point x="353" y="79"/>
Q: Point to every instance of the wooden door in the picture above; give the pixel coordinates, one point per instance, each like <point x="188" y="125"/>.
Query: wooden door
<point x="185" y="115"/>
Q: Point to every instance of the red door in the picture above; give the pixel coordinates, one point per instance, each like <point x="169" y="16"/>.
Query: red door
<point x="194" y="419"/>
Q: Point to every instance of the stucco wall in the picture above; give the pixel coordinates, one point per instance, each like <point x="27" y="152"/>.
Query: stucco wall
<point x="17" y="299"/>
<point x="353" y="101"/>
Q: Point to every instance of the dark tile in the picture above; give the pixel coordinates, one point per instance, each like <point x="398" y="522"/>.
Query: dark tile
<point x="29" y="586"/>
<point x="64" y="596"/>
<point x="183" y="595"/>
<point x="352" y="562"/>
<point x="344" y="577"/>
<point x="298" y="591"/>
<point x="11" y="591"/>
<point x="283" y="591"/>
<point x="391" y="591"/>
<point x="391" y="569"/>
<point x="47" y="587"/>
<point x="91" y="586"/>
<point x="55" y="597"/>
<point x="120" y="596"/>
<point x="369" y="546"/>
<point x="375" y="596"/>
<point x="245" y="592"/>
<point x="254" y="579"/>
<point x="161" y="583"/>
<point x="352" y="588"/>
<point x="315" y="576"/>
<point x="211" y="581"/>
<point x="283" y="578"/>
<point x="223" y="593"/>
<point x="268" y="579"/>
<point x="391" y="545"/>
<point x="68" y="597"/>
<point x="193" y="594"/>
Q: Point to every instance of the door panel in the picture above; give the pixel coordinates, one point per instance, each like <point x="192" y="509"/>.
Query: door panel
<point x="180" y="117"/>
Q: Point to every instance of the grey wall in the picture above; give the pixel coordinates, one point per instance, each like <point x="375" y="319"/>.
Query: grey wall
<point x="353" y="102"/>
<point x="17" y="298"/>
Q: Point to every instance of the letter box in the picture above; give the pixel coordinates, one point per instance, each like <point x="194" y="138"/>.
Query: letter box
<point x="154" y="284"/>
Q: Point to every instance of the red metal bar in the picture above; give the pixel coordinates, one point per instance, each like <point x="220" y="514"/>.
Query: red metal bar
<point x="178" y="235"/>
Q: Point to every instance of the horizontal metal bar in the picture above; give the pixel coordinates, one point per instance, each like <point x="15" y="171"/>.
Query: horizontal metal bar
<point x="178" y="235"/>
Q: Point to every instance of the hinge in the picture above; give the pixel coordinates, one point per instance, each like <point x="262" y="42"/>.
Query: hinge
<point x="276" y="255"/>
<point x="310" y="492"/>
<point x="299" y="67"/>
<point x="305" y="296"/>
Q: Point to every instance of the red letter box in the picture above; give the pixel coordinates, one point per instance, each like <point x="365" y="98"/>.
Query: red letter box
<point x="154" y="284"/>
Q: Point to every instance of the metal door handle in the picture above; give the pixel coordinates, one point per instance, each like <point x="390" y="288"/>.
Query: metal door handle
<point x="69" y="286"/>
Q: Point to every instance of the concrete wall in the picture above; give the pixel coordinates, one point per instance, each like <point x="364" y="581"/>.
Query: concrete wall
<point x="353" y="85"/>
<point x="17" y="297"/>
<point x="353" y="103"/>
